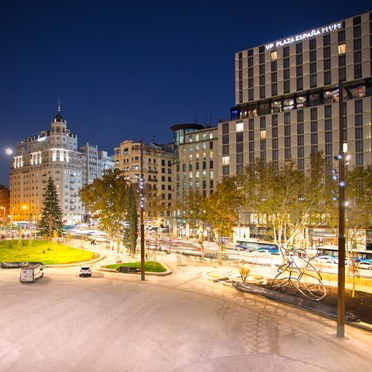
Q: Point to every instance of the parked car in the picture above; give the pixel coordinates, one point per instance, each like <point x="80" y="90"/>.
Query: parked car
<point x="326" y="259"/>
<point x="365" y="264"/>
<point x="271" y="250"/>
<point x="85" y="270"/>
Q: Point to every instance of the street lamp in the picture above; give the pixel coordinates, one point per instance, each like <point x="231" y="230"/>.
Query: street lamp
<point x="341" y="222"/>
<point x="142" y="206"/>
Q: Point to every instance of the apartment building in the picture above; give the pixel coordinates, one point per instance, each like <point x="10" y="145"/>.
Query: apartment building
<point x="95" y="162"/>
<point x="157" y="173"/>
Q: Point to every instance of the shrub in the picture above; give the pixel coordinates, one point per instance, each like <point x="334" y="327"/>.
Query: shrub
<point x="244" y="272"/>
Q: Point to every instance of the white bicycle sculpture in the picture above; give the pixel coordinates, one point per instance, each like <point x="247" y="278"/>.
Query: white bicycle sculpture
<point x="297" y="272"/>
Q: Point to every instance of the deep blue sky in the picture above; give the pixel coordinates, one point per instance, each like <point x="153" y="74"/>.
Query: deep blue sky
<point x="131" y="69"/>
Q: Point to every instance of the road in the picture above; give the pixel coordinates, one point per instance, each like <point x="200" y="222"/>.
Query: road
<point x="181" y="322"/>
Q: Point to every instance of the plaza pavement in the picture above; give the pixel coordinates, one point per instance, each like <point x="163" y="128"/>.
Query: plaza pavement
<point x="180" y="322"/>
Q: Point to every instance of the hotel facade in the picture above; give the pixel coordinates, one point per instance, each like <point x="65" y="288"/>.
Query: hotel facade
<point x="287" y="93"/>
<point x="287" y="107"/>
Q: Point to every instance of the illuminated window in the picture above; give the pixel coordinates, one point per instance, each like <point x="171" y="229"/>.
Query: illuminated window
<point x="239" y="127"/>
<point x="274" y="55"/>
<point x="226" y="160"/>
<point x="341" y="48"/>
<point x="263" y="134"/>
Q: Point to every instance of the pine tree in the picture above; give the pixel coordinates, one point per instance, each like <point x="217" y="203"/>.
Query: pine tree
<point x="50" y="223"/>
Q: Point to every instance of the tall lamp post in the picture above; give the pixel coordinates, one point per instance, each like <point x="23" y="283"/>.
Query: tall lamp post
<point x="142" y="206"/>
<point x="341" y="223"/>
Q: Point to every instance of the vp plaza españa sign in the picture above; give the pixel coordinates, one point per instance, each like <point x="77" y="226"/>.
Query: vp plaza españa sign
<point x="304" y="36"/>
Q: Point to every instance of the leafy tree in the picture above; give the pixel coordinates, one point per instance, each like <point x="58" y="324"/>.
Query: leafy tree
<point x="359" y="196"/>
<point x="358" y="209"/>
<point x="51" y="223"/>
<point x="222" y="209"/>
<point x="107" y="199"/>
<point x="131" y="229"/>
<point x="195" y="214"/>
<point x="154" y="204"/>
<point x="288" y="199"/>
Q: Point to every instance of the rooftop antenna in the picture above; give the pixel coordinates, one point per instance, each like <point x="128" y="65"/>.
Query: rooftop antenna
<point x="59" y="105"/>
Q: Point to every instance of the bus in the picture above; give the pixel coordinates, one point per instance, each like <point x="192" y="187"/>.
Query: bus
<point x="333" y="251"/>
<point x="253" y="245"/>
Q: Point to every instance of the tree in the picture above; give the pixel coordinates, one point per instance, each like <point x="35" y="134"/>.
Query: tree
<point x="107" y="199"/>
<point x="131" y="229"/>
<point x="155" y="205"/>
<point x="222" y="210"/>
<point x="51" y="223"/>
<point x="359" y="205"/>
<point x="288" y="199"/>
<point x="195" y="215"/>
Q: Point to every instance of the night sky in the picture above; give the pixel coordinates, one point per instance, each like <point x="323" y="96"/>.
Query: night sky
<point x="131" y="69"/>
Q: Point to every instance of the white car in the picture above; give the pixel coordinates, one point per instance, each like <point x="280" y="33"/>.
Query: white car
<point x="326" y="259"/>
<point x="367" y="265"/>
<point x="85" y="270"/>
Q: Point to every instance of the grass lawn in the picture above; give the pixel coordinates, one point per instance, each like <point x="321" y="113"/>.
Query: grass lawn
<point x="41" y="251"/>
<point x="150" y="266"/>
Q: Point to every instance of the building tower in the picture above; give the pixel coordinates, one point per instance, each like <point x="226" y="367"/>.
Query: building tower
<point x="50" y="153"/>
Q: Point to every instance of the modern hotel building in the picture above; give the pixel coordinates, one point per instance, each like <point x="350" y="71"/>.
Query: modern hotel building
<point x="287" y="93"/>
<point x="286" y="108"/>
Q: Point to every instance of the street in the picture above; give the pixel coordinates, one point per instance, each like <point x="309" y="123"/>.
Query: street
<point x="180" y="322"/>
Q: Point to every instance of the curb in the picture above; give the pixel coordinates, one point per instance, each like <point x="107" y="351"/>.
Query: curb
<point x="314" y="307"/>
<point x="99" y="258"/>
<point x="168" y="272"/>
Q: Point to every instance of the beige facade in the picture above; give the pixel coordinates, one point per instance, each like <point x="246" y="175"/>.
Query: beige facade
<point x="157" y="172"/>
<point x="50" y="153"/>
